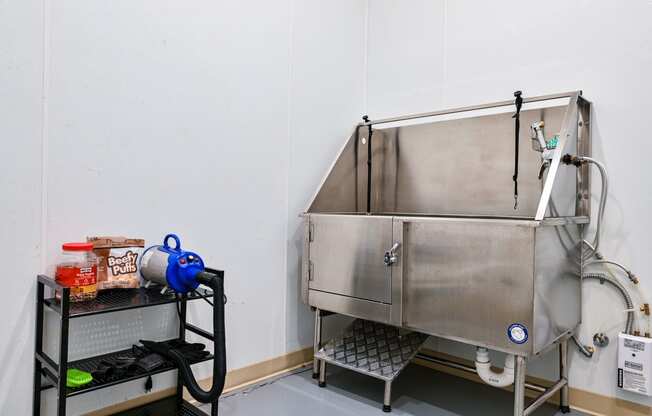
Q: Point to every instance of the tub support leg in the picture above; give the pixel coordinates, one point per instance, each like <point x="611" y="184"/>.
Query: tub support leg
<point x="519" y="386"/>
<point x="322" y="373"/>
<point x="387" y="398"/>
<point x="316" y="343"/>
<point x="563" y="375"/>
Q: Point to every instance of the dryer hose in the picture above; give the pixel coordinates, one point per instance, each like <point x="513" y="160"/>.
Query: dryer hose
<point x="215" y="280"/>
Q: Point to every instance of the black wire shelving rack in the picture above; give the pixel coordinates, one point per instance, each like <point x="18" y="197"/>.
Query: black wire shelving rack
<point x="109" y="301"/>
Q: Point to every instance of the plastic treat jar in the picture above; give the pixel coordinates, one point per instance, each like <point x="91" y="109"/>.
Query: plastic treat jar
<point x="77" y="269"/>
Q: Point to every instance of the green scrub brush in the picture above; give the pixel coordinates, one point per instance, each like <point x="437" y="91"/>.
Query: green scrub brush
<point x="78" y="378"/>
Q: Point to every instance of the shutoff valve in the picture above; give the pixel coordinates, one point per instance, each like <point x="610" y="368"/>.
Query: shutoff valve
<point x="540" y="144"/>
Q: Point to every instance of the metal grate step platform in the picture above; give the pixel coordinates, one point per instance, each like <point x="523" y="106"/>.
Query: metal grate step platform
<point x="374" y="349"/>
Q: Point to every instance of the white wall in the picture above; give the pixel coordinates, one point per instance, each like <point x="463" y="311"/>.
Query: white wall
<point x="163" y="116"/>
<point x="173" y="117"/>
<point x="170" y="116"/>
<point x="21" y="54"/>
<point x="426" y="54"/>
<point x="327" y="99"/>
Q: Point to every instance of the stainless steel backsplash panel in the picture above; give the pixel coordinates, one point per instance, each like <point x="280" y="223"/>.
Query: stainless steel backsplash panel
<point x="460" y="167"/>
<point x="453" y="167"/>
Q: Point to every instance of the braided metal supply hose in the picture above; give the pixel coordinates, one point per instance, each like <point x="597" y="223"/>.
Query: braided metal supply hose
<point x="603" y="201"/>
<point x="602" y="278"/>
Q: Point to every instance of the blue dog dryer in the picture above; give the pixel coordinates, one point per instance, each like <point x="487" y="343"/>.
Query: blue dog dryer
<point x="171" y="266"/>
<point x="182" y="271"/>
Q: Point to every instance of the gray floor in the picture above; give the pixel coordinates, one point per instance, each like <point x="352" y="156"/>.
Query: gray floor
<point x="417" y="391"/>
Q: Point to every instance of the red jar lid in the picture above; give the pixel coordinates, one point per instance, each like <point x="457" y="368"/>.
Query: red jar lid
<point x="77" y="246"/>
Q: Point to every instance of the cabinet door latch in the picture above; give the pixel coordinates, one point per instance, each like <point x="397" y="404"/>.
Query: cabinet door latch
<point x="390" y="256"/>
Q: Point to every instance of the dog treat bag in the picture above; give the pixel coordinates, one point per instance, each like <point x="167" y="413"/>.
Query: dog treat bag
<point x="118" y="261"/>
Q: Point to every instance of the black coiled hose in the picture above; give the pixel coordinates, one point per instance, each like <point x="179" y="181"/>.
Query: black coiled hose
<point x="215" y="280"/>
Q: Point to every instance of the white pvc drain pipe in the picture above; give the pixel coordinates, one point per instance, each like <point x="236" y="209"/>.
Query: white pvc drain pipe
<point x="489" y="376"/>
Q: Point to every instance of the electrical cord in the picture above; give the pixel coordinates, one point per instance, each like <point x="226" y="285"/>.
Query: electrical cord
<point x="268" y="382"/>
<point x="224" y="298"/>
<point x="202" y="297"/>
<point x="199" y="295"/>
<point x="178" y="308"/>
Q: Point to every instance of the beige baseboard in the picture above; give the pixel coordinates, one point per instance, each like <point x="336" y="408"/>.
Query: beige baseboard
<point x="235" y="379"/>
<point x="251" y="374"/>
<point x="598" y="405"/>
<point x="581" y="400"/>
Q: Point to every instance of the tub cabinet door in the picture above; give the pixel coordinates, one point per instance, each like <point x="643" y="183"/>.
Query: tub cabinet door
<point x="469" y="280"/>
<point x="347" y="256"/>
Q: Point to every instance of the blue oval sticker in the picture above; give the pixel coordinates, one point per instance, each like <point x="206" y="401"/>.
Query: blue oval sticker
<point x="517" y="333"/>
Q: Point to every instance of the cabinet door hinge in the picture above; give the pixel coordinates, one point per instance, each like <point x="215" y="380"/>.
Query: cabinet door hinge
<point x="311" y="232"/>
<point x="311" y="270"/>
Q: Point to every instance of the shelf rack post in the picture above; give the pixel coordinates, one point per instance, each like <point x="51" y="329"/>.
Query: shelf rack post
<point x="38" y="348"/>
<point x="182" y="336"/>
<point x="62" y="391"/>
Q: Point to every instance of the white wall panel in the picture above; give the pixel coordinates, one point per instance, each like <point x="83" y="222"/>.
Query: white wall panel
<point x="406" y="68"/>
<point x="327" y="93"/>
<point x="21" y="74"/>
<point x="172" y="116"/>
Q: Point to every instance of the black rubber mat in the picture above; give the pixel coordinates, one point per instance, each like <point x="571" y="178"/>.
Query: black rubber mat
<point x="90" y="364"/>
<point x="165" y="407"/>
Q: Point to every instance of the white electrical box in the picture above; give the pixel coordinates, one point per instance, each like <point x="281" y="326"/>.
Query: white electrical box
<point x="634" y="363"/>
